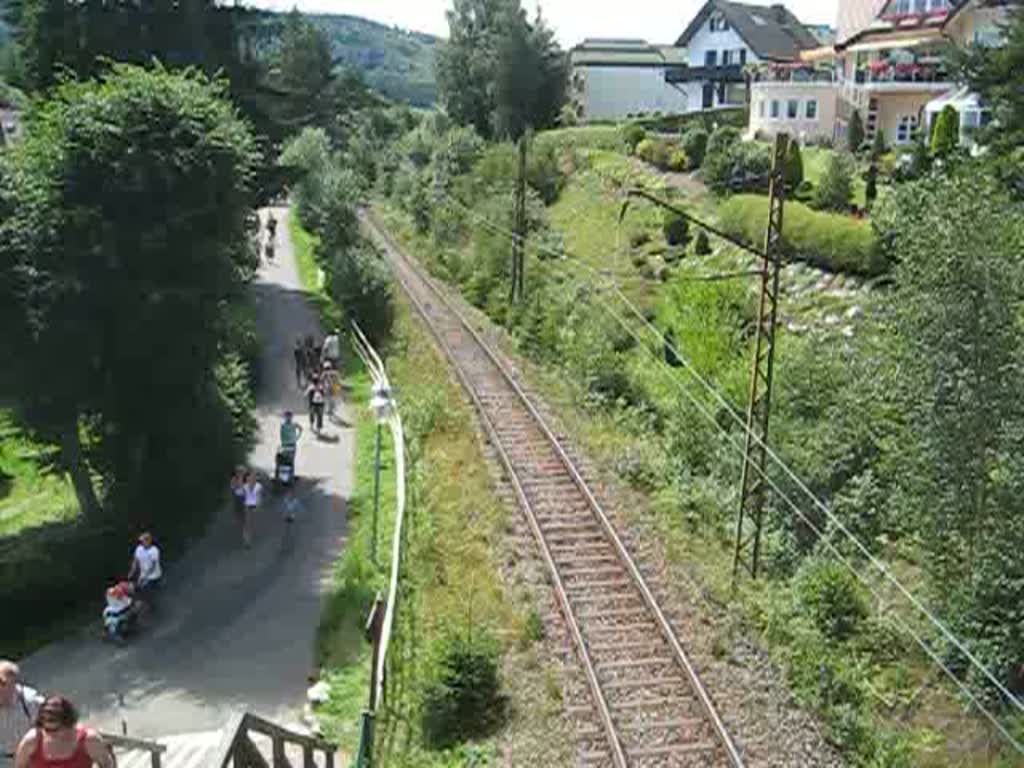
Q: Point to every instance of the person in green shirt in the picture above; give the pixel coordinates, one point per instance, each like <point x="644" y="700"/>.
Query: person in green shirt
<point x="290" y="434"/>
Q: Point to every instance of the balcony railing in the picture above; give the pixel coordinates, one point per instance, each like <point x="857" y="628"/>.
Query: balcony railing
<point x="729" y="73"/>
<point x="795" y="76"/>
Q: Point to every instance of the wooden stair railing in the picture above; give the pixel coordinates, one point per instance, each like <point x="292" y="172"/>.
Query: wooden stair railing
<point x="138" y="745"/>
<point x="238" y="751"/>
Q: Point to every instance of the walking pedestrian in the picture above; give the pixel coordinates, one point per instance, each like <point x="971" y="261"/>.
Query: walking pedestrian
<point x="331" y="352"/>
<point x="19" y="706"/>
<point x="315" y="397"/>
<point x="253" y="495"/>
<point x="331" y="384"/>
<point x="300" y="362"/>
<point x="59" y="741"/>
<point x="238" y="494"/>
<point x="312" y="357"/>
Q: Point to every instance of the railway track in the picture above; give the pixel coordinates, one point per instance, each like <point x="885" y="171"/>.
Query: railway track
<point x="650" y="707"/>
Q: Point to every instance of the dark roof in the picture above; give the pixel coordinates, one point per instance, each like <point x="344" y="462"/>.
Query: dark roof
<point x="771" y="31"/>
<point x="962" y="5"/>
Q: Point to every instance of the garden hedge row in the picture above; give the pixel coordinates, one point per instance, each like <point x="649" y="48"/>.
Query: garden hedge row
<point x="830" y="241"/>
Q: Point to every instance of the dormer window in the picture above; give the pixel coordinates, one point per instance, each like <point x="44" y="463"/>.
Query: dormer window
<point x="718" y="23"/>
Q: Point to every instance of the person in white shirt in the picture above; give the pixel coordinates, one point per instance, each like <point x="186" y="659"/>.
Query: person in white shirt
<point x="145" y="570"/>
<point x="332" y="349"/>
<point x="253" y="495"/>
<point x="19" y="706"/>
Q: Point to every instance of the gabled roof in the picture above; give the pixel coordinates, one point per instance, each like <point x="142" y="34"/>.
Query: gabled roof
<point x="772" y="32"/>
<point x="978" y="4"/>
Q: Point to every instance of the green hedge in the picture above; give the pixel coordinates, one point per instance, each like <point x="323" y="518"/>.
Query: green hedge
<point x="831" y="241"/>
<point x="738" y="117"/>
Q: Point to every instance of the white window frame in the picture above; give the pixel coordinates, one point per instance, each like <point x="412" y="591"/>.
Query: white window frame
<point x="809" y="107"/>
<point x="775" y="110"/>
<point x="760" y="108"/>
<point x="792" y="109"/>
<point x="906" y="125"/>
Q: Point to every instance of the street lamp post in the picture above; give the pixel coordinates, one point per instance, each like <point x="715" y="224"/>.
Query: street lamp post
<point x="381" y="405"/>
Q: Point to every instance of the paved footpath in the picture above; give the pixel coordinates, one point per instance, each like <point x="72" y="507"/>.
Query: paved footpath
<point x="236" y="627"/>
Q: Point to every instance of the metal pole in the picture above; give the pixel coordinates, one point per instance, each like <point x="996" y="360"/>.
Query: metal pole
<point x="376" y="496"/>
<point x="519" y="224"/>
<point x="753" y="487"/>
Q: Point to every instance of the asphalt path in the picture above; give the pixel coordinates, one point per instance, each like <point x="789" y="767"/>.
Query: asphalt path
<point x="236" y="627"/>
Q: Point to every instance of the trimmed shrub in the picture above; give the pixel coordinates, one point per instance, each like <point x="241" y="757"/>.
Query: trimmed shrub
<point x="855" y="132"/>
<point x="676" y="228"/>
<point x="463" y="699"/>
<point x="835" y="189"/>
<point x="703" y="246"/>
<point x="946" y="133"/>
<point x="722" y="139"/>
<point x="695" y="145"/>
<point x="677" y="161"/>
<point x="632" y="135"/>
<point x="878" y="145"/>
<point x="656" y="152"/>
<point x="871" y="189"/>
<point x="833" y="242"/>
<point x="794" y="171"/>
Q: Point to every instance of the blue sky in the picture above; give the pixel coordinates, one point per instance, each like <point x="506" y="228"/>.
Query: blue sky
<point x="658" y="21"/>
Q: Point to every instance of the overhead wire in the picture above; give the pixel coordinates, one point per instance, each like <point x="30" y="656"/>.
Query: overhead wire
<point x="713" y="391"/>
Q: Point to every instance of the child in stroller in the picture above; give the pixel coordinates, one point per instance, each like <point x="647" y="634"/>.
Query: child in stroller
<point x="120" y="616"/>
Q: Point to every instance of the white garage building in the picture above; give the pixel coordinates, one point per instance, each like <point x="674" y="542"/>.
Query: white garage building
<point x="615" y="78"/>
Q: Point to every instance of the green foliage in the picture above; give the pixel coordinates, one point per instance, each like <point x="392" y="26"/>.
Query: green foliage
<point x="463" y="699"/>
<point x="695" y="144"/>
<point x="722" y="140"/>
<point x="995" y="73"/>
<point x="946" y="132"/>
<point x="794" y="170"/>
<point x="835" y="189"/>
<point x="960" y="354"/>
<point x="132" y="196"/>
<point x="676" y="228"/>
<point x="656" y="152"/>
<point x="833" y="598"/>
<point x="309" y="153"/>
<point x="499" y="73"/>
<point x="834" y="242"/>
<point x="633" y="135"/>
<point x="733" y="166"/>
<point x="360" y="283"/>
<point x="855" y="132"/>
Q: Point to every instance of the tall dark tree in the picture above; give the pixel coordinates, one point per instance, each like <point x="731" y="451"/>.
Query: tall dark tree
<point x="466" y="62"/>
<point x="125" y="236"/>
<point x="498" y="72"/>
<point x="531" y="75"/>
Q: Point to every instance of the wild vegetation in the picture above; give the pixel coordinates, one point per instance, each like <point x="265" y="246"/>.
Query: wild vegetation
<point x="893" y="466"/>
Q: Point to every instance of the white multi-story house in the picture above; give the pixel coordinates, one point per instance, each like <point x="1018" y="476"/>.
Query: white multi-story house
<point x="613" y="79"/>
<point x="889" y="65"/>
<point x="724" y="38"/>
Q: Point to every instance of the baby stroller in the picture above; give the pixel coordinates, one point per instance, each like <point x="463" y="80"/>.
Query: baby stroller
<point x="121" y="615"/>
<point x="284" y="467"/>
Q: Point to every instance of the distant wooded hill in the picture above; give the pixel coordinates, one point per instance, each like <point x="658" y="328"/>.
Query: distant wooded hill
<point x="395" y="62"/>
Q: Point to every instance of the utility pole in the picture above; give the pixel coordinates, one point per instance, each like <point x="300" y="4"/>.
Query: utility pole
<point x="753" y="485"/>
<point x="519" y="226"/>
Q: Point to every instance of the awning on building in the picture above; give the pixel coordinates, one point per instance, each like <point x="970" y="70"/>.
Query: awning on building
<point x="891" y="42"/>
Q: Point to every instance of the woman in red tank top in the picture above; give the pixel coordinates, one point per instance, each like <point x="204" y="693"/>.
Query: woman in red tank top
<point x="58" y="741"/>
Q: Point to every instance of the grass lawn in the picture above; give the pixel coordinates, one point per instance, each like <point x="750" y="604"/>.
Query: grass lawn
<point x="30" y="493"/>
<point x="305" y="243"/>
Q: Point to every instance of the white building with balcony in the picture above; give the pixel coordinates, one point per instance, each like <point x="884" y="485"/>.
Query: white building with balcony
<point x="726" y="37"/>
<point x="799" y="99"/>
<point x="893" y="68"/>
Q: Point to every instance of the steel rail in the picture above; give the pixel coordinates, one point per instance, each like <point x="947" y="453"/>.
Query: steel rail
<point x="680" y="655"/>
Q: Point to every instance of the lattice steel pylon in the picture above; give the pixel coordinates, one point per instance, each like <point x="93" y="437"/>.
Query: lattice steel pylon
<point x="753" y="484"/>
